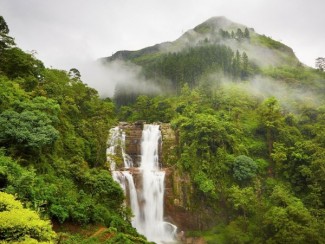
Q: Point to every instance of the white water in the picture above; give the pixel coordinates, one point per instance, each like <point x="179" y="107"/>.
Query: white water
<point x="147" y="203"/>
<point x="117" y="139"/>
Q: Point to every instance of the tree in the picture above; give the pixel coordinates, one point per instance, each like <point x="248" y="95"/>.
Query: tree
<point x="18" y="224"/>
<point x="9" y="91"/>
<point x="279" y="155"/>
<point x="239" y="34"/>
<point x="244" y="168"/>
<point x="15" y="63"/>
<point x="270" y="112"/>
<point x="143" y="107"/>
<point x="288" y="215"/>
<point x="224" y="34"/>
<point x="320" y="63"/>
<point x="244" y="63"/>
<point x="246" y="33"/>
<point x="236" y="64"/>
<point x="232" y="34"/>
<point x="29" y="129"/>
<point x="5" y="40"/>
<point x="243" y="199"/>
<point x="74" y="74"/>
<point x="3" y="26"/>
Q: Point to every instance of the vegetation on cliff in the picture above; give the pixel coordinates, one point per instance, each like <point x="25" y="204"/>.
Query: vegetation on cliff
<point x="252" y="143"/>
<point x="255" y="163"/>
<point x="53" y="156"/>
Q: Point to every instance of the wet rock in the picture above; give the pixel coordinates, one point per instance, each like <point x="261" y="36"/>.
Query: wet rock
<point x="133" y="137"/>
<point x="178" y="208"/>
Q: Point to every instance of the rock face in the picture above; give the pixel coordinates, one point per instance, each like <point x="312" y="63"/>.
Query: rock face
<point x="133" y="140"/>
<point x="179" y="208"/>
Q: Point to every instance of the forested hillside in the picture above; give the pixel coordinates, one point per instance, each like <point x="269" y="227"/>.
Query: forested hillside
<point x="250" y="125"/>
<point x="53" y="154"/>
<point x="250" y="131"/>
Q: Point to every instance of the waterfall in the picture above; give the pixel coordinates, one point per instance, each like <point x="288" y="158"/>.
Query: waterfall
<point x="117" y="139"/>
<point x="147" y="199"/>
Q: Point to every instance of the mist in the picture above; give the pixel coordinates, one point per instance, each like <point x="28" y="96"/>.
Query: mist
<point x="262" y="87"/>
<point x="104" y="77"/>
<point x="288" y="96"/>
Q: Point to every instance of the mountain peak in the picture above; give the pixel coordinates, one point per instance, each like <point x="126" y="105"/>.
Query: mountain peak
<point x="219" y="21"/>
<point x="262" y="50"/>
<point x="216" y="23"/>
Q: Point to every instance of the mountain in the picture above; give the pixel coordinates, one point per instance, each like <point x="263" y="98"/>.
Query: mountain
<point x="218" y="31"/>
<point x="217" y="47"/>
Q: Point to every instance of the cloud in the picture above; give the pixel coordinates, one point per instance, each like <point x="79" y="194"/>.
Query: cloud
<point x="105" y="76"/>
<point x="68" y="33"/>
<point x="261" y="87"/>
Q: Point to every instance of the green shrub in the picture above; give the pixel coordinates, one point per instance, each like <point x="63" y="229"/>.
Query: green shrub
<point x="244" y="168"/>
<point x="19" y="224"/>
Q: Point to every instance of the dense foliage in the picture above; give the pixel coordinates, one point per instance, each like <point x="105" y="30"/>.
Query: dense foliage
<point x="257" y="166"/>
<point x="255" y="160"/>
<point x="254" y="152"/>
<point x="53" y="156"/>
<point x="189" y="65"/>
<point x="172" y="70"/>
<point x="21" y="225"/>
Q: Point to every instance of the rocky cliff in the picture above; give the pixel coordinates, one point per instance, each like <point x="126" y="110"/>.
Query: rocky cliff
<point x="179" y="207"/>
<point x="133" y="140"/>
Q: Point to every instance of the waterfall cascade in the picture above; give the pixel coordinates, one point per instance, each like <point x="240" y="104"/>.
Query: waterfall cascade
<point x="147" y="198"/>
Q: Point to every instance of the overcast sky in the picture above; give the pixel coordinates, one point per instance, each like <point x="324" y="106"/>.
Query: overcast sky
<point x="67" y="32"/>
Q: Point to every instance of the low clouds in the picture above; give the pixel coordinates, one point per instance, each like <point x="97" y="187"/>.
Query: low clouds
<point x="105" y="76"/>
<point x="70" y="33"/>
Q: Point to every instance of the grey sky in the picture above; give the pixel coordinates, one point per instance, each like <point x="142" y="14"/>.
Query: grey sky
<point x="67" y="32"/>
